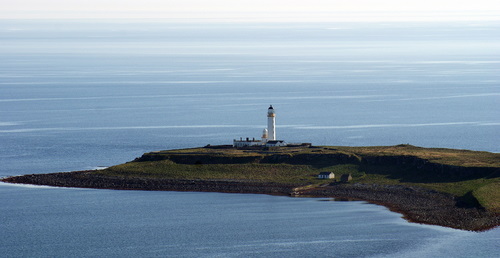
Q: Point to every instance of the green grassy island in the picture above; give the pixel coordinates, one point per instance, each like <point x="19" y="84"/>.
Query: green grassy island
<point x="447" y="187"/>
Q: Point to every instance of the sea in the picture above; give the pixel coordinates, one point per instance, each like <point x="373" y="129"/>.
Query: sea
<point x="88" y="94"/>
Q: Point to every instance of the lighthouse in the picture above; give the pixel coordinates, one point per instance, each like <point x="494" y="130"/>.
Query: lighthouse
<point x="268" y="139"/>
<point x="271" y="124"/>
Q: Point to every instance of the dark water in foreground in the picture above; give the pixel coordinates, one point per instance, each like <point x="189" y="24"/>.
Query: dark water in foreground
<point x="76" y="96"/>
<point x="38" y="221"/>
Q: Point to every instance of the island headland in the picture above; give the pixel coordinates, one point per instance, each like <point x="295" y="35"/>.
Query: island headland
<point x="452" y="188"/>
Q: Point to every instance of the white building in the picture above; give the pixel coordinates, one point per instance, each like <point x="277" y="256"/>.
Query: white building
<point x="264" y="135"/>
<point x="276" y="143"/>
<point x="326" y="175"/>
<point x="247" y="142"/>
<point x="268" y="135"/>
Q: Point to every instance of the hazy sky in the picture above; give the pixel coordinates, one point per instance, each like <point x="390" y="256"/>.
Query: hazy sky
<point x="256" y="10"/>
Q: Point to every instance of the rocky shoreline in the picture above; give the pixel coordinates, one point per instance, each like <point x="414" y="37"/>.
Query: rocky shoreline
<point x="416" y="204"/>
<point x="88" y="179"/>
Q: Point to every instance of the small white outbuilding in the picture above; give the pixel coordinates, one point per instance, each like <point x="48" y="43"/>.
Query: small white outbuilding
<point x="326" y="175"/>
<point x="275" y="143"/>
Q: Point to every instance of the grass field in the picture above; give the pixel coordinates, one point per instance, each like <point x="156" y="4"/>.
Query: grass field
<point x="279" y="173"/>
<point x="476" y="187"/>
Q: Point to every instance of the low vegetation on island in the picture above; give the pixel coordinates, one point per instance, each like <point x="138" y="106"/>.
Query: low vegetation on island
<point x="459" y="172"/>
<point x="396" y="176"/>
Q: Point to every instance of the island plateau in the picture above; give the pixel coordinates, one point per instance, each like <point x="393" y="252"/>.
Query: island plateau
<point x="447" y="187"/>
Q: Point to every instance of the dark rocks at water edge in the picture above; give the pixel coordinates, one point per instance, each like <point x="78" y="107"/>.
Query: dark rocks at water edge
<point x="89" y="179"/>
<point x="416" y="204"/>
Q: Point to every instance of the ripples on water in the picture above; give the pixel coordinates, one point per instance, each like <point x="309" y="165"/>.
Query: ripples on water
<point x="45" y="221"/>
<point x="78" y="95"/>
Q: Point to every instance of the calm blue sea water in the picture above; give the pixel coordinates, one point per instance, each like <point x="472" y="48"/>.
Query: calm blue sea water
<point x="51" y="222"/>
<point x="77" y="95"/>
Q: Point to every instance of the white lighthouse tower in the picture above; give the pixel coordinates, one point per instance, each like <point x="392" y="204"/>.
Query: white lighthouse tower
<point x="268" y="135"/>
<point x="271" y="124"/>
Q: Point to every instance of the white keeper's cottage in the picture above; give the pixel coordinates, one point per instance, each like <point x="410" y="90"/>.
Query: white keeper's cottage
<point x="326" y="175"/>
